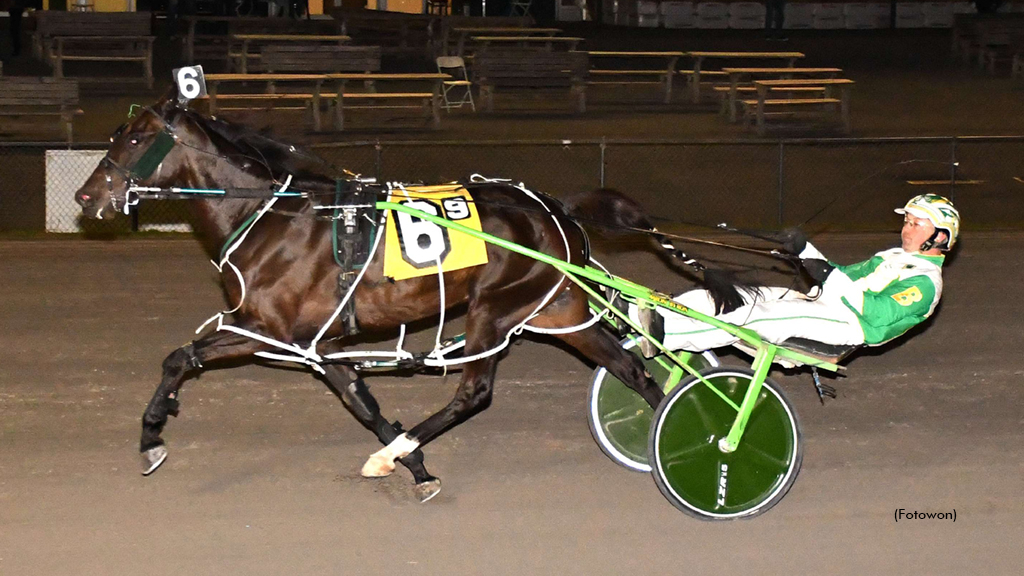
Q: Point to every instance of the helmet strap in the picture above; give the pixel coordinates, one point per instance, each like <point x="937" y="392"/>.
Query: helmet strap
<point x="930" y="243"/>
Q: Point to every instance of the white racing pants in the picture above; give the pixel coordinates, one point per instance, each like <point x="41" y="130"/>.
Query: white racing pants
<point x="777" y="314"/>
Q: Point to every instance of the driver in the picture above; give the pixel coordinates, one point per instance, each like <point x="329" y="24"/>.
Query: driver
<point x="870" y="302"/>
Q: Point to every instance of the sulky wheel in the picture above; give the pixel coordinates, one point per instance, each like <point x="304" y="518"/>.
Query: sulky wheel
<point x="702" y="480"/>
<point x="620" y="419"/>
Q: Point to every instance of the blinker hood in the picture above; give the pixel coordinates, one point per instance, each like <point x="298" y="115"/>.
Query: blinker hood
<point x="153" y="156"/>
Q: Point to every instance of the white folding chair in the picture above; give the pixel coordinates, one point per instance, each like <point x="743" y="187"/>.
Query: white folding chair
<point x="458" y="90"/>
<point x="519" y="8"/>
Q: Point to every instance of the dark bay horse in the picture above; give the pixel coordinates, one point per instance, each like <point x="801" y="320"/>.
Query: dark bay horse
<point x="291" y="276"/>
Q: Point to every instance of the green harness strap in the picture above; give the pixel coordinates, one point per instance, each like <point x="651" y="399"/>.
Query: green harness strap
<point x="238" y="231"/>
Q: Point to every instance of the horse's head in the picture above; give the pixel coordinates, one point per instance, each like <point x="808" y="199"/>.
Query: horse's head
<point x="142" y="152"/>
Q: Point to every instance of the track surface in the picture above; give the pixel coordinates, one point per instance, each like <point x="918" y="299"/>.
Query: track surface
<point x="263" y="477"/>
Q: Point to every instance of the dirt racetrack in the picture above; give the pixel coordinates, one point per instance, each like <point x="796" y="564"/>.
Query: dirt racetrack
<point x="263" y="473"/>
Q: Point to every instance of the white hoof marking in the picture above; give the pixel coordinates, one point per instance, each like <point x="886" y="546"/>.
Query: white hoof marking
<point x="382" y="462"/>
<point x="377" y="467"/>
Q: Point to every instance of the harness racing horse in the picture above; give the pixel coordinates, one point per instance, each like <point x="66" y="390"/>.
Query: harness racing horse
<point x="291" y="276"/>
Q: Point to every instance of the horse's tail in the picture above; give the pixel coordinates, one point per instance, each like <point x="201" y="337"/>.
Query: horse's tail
<point x="614" y="211"/>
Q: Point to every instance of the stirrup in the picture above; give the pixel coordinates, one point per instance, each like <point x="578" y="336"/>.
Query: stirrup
<point x="822" y="389"/>
<point x="654" y="324"/>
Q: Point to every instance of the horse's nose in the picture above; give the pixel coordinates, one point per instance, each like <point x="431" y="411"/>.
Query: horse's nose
<point x="83" y="199"/>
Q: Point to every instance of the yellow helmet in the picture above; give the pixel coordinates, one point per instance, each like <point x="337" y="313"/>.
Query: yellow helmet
<point x="940" y="212"/>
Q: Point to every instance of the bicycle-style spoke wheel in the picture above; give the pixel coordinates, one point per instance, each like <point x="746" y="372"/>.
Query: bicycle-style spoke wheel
<point x="620" y="419"/>
<point x="702" y="480"/>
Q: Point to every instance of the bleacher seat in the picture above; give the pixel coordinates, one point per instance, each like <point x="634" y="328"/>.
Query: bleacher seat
<point x="857" y="17"/>
<point x="746" y="15"/>
<point x="647" y="15"/>
<point x="828" y="16"/>
<point x="909" y="15"/>
<point x="678" y="15"/>
<point x="713" y="15"/>
<point x="799" y="16"/>
<point x="881" y="12"/>
<point x="937" y="14"/>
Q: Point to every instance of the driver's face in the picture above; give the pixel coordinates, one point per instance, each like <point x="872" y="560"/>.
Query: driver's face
<point x="916" y="231"/>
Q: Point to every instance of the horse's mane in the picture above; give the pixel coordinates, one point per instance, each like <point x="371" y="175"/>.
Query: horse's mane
<point x="280" y="157"/>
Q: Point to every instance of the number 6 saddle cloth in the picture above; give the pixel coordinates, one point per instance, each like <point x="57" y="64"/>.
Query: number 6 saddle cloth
<point x="413" y="247"/>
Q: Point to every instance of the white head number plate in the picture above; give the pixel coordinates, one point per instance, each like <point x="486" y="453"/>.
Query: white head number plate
<point x="191" y="82"/>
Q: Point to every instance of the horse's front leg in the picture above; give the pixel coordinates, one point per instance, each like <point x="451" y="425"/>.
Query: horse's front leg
<point x="485" y="329"/>
<point x="356" y="396"/>
<point x="176" y="367"/>
<point x="473" y="395"/>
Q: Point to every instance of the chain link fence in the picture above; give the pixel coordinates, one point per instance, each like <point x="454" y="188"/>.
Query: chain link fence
<point x="845" y="184"/>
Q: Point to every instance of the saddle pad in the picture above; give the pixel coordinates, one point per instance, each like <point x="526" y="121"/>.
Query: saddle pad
<point x="413" y="247"/>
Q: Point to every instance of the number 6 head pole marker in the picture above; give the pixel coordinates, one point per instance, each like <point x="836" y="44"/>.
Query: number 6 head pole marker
<point x="191" y="83"/>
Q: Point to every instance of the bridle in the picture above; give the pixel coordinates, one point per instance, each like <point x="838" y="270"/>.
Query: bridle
<point x="144" y="166"/>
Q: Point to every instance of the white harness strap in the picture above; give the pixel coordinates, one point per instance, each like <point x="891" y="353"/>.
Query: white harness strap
<point x="436" y="358"/>
<point x="226" y="259"/>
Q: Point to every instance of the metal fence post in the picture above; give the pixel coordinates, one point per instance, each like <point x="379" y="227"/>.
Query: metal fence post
<point x="601" y="173"/>
<point x="952" y="169"/>
<point x="782" y="185"/>
<point x="378" y="163"/>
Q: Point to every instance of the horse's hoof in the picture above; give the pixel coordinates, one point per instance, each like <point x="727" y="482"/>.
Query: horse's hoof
<point x="427" y="490"/>
<point x="153" y="458"/>
<point x="377" y="467"/>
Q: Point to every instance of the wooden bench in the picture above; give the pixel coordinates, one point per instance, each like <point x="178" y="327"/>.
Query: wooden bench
<point x="246" y="48"/>
<point x="341" y="99"/>
<point x="724" y="93"/>
<point x="394" y="32"/>
<point x="22" y="96"/>
<point x="321" y="59"/>
<point x="661" y="77"/>
<point x="548" y="43"/>
<point x="448" y="36"/>
<point x="966" y="42"/>
<point x="94" y="36"/>
<point x="997" y="44"/>
<point x="464" y="36"/>
<point x="699" y="57"/>
<point x="737" y="74"/>
<point x="531" y="70"/>
<point x="764" y="107"/>
<point x="207" y="38"/>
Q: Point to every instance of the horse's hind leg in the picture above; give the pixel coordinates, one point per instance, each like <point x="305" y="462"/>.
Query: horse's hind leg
<point x="602" y="348"/>
<point x="598" y="344"/>
<point x="356" y="396"/>
<point x="177" y="365"/>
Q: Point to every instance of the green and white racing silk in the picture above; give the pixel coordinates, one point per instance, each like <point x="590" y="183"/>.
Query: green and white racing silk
<point x="890" y="293"/>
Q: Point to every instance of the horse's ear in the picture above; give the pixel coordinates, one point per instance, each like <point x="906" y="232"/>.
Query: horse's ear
<point x="168" y="101"/>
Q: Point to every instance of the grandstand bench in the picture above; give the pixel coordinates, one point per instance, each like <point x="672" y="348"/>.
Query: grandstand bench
<point x="94" y="36"/>
<point x="22" y="96"/>
<point x="530" y="70"/>
<point x="763" y="107"/>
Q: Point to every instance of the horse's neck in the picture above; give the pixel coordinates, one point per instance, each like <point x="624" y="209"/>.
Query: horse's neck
<point x="216" y="219"/>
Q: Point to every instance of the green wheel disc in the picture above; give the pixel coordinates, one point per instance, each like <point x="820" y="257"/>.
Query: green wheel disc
<point x="701" y="480"/>
<point x="620" y="419"/>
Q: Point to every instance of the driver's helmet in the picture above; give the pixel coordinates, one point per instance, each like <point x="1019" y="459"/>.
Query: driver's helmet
<point x="939" y="211"/>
